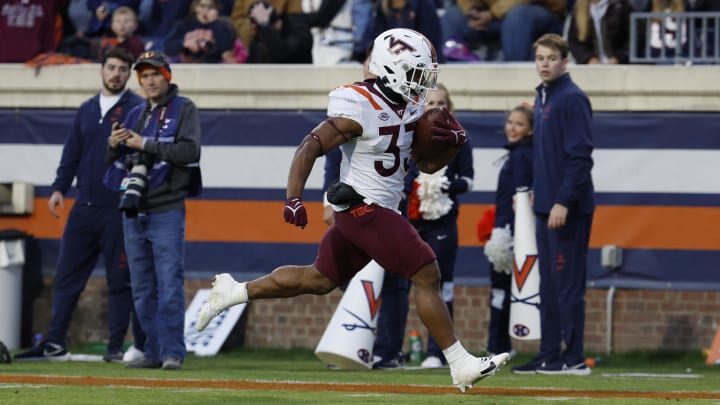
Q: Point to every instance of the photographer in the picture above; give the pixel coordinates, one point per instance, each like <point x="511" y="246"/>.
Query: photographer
<point x="155" y="154"/>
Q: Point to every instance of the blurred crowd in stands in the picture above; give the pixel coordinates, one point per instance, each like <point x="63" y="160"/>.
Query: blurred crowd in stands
<point x="325" y="32"/>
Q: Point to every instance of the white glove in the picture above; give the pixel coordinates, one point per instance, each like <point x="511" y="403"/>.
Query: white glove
<point x="499" y="250"/>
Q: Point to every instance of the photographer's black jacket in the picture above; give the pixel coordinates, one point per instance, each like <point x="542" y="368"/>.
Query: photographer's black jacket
<point x="181" y="124"/>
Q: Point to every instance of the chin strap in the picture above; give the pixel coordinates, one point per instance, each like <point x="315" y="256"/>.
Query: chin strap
<point x="388" y="92"/>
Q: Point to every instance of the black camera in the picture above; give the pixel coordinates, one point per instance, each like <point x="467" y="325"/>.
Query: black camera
<point x="134" y="191"/>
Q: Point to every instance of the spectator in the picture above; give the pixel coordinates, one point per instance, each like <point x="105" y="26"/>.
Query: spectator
<point x="278" y="38"/>
<point x="438" y="226"/>
<point x="94" y="225"/>
<point x="158" y="143"/>
<point x="245" y="30"/>
<point x="102" y="11"/>
<point x="124" y="24"/>
<point x="418" y="15"/>
<point x="331" y="24"/>
<point x="564" y="203"/>
<point x="367" y="197"/>
<point x="158" y="17"/>
<point x="516" y="172"/>
<point x="202" y="37"/>
<point x="704" y="30"/>
<point x="668" y="35"/>
<point x="27" y="28"/>
<point x="514" y="23"/>
<point x="600" y="32"/>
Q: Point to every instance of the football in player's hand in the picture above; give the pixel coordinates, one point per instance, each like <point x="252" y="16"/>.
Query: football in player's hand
<point x="423" y="144"/>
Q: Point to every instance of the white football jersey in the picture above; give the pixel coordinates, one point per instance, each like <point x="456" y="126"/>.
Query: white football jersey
<point x="375" y="163"/>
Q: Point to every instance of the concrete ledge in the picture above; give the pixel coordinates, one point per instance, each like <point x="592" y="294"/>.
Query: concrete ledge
<point x="478" y="87"/>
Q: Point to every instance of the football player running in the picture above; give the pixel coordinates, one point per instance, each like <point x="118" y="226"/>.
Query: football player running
<point x="372" y="123"/>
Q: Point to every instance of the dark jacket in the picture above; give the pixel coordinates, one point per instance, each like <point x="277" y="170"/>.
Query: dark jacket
<point x="223" y="35"/>
<point x="562" y="148"/>
<point x="516" y="171"/>
<point x="84" y="150"/>
<point x="332" y="168"/>
<point x="183" y="125"/>
<point x="292" y="44"/>
<point x="615" y="29"/>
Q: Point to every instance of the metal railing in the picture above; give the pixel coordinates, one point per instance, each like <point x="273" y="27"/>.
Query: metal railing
<point x="675" y="38"/>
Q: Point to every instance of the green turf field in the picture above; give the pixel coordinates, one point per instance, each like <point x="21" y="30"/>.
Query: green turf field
<point x="267" y="376"/>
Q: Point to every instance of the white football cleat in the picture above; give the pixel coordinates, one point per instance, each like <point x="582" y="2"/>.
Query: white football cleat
<point x="220" y="298"/>
<point x="432" y="362"/>
<point x="476" y="369"/>
<point x="132" y="354"/>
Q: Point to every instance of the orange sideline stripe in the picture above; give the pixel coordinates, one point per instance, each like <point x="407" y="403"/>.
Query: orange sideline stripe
<point x="639" y="227"/>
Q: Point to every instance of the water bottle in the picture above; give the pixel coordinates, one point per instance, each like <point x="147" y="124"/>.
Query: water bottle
<point x="38" y="338"/>
<point x="416" y="346"/>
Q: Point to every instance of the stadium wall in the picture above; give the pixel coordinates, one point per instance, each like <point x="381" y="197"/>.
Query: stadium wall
<point x="656" y="159"/>
<point x="640" y="319"/>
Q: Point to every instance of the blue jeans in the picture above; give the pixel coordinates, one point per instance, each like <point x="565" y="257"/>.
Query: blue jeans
<point x="524" y="24"/>
<point x="517" y="31"/>
<point x="155" y="246"/>
<point x="454" y="24"/>
<point x="361" y="11"/>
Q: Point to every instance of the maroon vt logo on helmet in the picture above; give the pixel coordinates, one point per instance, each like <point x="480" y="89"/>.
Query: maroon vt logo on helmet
<point x="398" y="46"/>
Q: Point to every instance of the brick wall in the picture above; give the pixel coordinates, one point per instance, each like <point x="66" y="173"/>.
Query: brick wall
<point x="641" y="319"/>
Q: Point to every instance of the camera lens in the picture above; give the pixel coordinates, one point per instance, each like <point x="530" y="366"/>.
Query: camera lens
<point x="130" y="200"/>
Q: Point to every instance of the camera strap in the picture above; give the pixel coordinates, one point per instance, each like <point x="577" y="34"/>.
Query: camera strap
<point x="140" y="128"/>
<point x="161" y="119"/>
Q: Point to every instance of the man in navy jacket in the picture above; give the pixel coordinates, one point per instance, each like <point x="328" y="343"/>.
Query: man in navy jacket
<point x="563" y="201"/>
<point x="94" y="225"/>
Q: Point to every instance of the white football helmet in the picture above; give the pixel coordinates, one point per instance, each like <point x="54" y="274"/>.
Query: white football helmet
<point x="406" y="62"/>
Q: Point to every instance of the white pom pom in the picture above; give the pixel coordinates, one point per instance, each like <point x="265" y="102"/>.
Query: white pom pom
<point x="499" y="249"/>
<point x="434" y="203"/>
